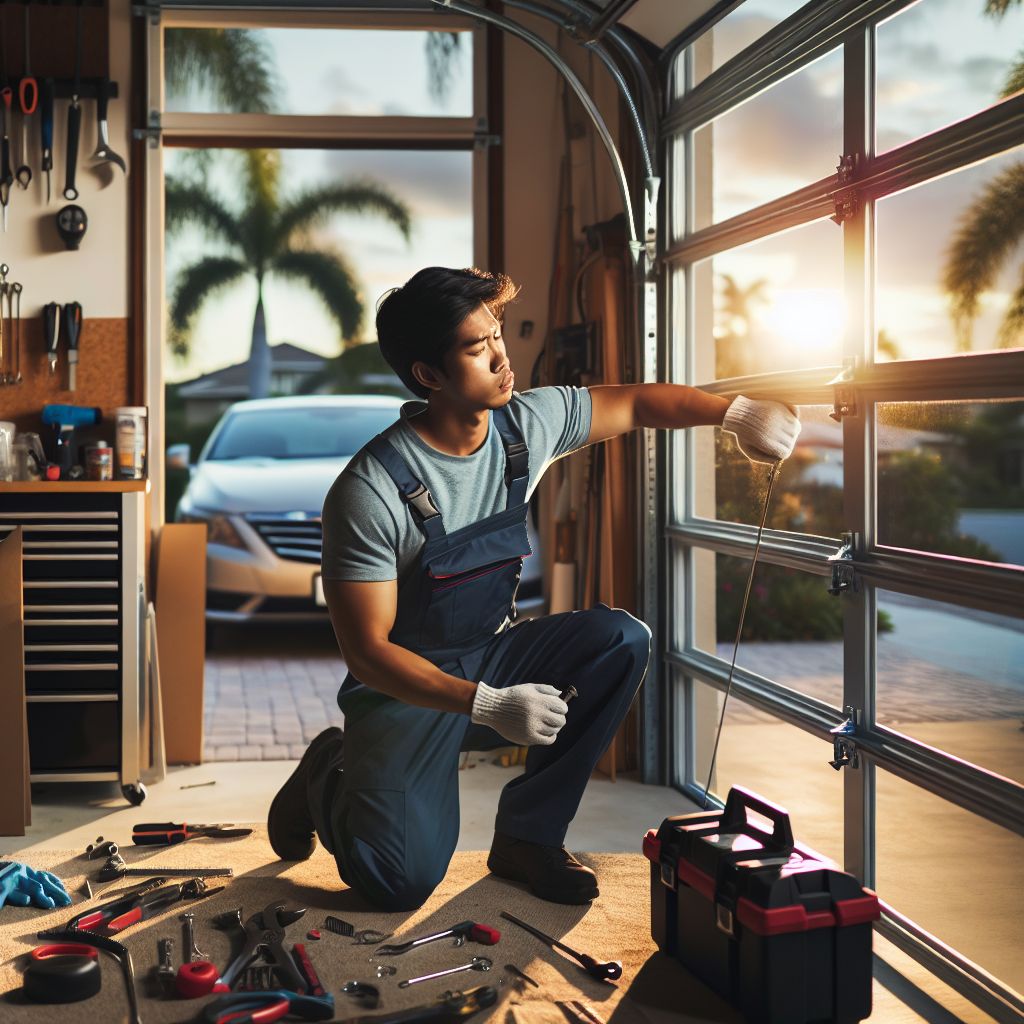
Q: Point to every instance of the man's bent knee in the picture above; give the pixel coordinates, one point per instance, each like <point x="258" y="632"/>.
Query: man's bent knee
<point x="388" y="888"/>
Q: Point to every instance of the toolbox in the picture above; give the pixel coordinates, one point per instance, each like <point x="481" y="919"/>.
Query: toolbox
<point x="776" y="929"/>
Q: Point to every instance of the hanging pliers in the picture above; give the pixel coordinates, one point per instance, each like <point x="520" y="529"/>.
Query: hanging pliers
<point x="167" y="833"/>
<point x="264" y="939"/>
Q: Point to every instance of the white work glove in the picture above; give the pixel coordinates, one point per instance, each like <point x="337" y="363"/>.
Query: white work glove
<point x="766" y="431"/>
<point x="527" y="715"/>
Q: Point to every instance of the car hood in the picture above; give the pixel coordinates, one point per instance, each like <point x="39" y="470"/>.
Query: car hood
<point x="263" y="484"/>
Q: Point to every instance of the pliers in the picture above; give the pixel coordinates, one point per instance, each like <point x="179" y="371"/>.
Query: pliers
<point x="137" y="906"/>
<point x="167" y="833"/>
<point x="264" y="937"/>
<point x="259" y="1007"/>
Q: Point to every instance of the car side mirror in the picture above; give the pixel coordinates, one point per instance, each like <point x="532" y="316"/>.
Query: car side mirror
<point x="178" y="456"/>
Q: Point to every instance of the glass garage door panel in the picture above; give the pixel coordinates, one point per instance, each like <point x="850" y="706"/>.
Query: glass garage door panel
<point x="941" y="61"/>
<point x="792" y="632"/>
<point x="778" y="761"/>
<point x="808" y="494"/>
<point x="775" y="304"/>
<point x="948" y="263"/>
<point x="954" y="874"/>
<point x="773" y="144"/>
<point x="364" y="72"/>
<point x="953" y="678"/>
<point x="951" y="478"/>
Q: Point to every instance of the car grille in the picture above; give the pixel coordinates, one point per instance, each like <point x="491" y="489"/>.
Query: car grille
<point x="298" y="540"/>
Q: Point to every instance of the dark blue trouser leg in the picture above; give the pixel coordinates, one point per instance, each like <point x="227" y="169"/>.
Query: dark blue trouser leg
<point x="391" y="817"/>
<point x="603" y="652"/>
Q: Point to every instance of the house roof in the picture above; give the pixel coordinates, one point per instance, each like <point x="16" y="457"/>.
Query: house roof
<point x="233" y="381"/>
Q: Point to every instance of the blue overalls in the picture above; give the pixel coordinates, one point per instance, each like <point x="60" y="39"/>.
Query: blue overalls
<point x="387" y="806"/>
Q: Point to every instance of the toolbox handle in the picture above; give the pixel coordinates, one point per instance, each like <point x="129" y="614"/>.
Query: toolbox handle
<point x="734" y="817"/>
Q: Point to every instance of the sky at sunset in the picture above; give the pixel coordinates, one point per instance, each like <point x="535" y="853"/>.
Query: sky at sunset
<point x="937" y="61"/>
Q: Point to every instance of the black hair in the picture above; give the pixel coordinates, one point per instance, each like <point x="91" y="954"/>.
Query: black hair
<point x="419" y="321"/>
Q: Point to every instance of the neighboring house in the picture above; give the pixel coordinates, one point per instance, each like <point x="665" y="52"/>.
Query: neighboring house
<point x="208" y="396"/>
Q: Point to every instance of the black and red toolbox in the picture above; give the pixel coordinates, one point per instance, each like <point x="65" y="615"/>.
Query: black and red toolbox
<point x="778" y="930"/>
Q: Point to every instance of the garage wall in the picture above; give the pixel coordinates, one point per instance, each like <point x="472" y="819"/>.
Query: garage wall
<point x="96" y="275"/>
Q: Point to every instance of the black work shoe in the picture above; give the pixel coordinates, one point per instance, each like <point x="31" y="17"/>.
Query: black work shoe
<point x="551" y="872"/>
<point x="289" y="822"/>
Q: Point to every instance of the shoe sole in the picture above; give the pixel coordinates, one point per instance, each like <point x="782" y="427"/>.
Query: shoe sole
<point x="511" y="874"/>
<point x="310" y="751"/>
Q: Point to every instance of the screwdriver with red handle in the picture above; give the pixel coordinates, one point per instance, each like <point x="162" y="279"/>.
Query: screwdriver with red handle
<point x="168" y="833"/>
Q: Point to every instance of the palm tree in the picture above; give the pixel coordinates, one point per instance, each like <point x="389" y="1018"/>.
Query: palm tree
<point x="736" y="313"/>
<point x="989" y="232"/>
<point x="233" y="64"/>
<point x="269" y="235"/>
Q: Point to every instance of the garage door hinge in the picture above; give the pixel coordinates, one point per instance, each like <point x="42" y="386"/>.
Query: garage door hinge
<point x="845" y="402"/>
<point x="483" y="138"/>
<point x="845" y="198"/>
<point x="152" y="131"/>
<point x="844" y="745"/>
<point x="843" y="576"/>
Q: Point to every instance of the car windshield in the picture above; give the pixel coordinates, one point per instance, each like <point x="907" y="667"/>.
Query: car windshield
<point x="297" y="433"/>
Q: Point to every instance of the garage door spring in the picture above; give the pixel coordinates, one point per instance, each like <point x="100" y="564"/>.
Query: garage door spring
<point x="739" y="627"/>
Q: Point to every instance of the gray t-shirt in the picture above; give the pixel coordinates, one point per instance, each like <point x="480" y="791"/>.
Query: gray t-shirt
<point x="369" y="533"/>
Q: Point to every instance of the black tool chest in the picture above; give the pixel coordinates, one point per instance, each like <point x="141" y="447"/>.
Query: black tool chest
<point x="779" y="931"/>
<point x="83" y="601"/>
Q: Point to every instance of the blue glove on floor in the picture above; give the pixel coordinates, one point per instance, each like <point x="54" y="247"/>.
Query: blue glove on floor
<point x="21" y="886"/>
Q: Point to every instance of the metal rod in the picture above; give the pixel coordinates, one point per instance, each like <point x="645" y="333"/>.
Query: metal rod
<point x="739" y="627"/>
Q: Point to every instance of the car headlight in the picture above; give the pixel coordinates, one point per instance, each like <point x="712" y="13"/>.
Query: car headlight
<point x="219" y="528"/>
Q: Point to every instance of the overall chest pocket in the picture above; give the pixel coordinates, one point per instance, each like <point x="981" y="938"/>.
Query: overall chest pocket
<point x="472" y="583"/>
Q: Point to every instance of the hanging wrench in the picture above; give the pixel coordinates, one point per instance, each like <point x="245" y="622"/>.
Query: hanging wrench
<point x="478" y="963"/>
<point x="192" y="952"/>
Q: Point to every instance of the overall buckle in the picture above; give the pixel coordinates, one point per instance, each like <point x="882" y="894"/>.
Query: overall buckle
<point x="517" y="461"/>
<point x="422" y="503"/>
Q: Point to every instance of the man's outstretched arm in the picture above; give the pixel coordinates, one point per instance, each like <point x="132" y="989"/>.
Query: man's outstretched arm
<point x="766" y="431"/>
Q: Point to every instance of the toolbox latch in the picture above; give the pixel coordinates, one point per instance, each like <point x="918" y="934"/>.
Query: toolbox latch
<point x="724" y="919"/>
<point x="668" y="876"/>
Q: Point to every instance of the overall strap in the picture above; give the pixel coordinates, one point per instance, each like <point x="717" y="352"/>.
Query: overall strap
<point x="517" y="457"/>
<point x="413" y="492"/>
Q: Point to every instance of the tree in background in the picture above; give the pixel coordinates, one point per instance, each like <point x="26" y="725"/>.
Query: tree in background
<point x="989" y="233"/>
<point x="735" y="314"/>
<point x="268" y="234"/>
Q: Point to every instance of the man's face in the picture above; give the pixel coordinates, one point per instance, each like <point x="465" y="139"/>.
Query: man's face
<point x="476" y="373"/>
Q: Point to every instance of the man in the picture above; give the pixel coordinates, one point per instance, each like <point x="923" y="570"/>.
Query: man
<point x="424" y="537"/>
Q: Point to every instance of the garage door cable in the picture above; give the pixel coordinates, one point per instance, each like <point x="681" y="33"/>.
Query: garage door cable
<point x="773" y="472"/>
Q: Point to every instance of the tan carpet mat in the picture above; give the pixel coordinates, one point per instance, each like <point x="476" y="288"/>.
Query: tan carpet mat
<point x="614" y="927"/>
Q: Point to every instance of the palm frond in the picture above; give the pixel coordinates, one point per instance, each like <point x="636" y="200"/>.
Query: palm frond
<point x="997" y="8"/>
<point x="1015" y="79"/>
<point x="325" y="274"/>
<point x="234" y="65"/>
<point x="193" y="203"/>
<point x="316" y="206"/>
<point x="988" y="232"/>
<point x="443" y="51"/>
<point x="195" y="284"/>
<point x="1011" y="330"/>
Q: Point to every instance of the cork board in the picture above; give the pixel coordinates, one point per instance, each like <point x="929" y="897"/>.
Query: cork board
<point x="102" y="378"/>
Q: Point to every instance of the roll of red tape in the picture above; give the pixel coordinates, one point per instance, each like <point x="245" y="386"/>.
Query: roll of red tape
<point x="198" y="978"/>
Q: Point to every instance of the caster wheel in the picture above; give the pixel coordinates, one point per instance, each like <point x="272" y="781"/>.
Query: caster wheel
<point x="134" y="794"/>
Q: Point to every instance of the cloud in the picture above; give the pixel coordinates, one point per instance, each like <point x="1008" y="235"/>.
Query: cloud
<point x="437" y="184"/>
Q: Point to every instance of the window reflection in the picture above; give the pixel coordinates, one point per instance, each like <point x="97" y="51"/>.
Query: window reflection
<point x="951" y="478"/>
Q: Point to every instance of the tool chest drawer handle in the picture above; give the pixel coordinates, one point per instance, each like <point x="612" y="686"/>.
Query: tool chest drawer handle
<point x="734" y="817"/>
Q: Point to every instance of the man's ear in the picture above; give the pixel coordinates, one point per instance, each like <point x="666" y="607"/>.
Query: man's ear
<point x="426" y="375"/>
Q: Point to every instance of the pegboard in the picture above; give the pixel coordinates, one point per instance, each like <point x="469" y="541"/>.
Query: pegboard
<point x="52" y="38"/>
<point x="102" y="378"/>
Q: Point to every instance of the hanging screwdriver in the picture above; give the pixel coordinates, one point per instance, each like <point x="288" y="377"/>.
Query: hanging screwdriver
<point x="46" y="132"/>
<point x="595" y="968"/>
<point x="6" y="175"/>
<point x="71" y="328"/>
<point x="51" y="327"/>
